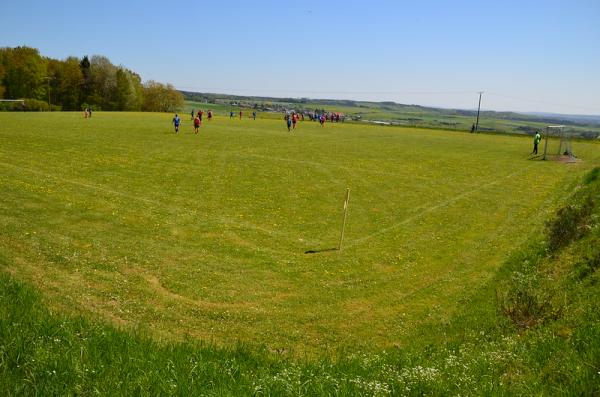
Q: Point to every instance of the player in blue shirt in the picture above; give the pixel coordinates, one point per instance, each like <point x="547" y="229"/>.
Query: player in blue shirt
<point x="176" y="122"/>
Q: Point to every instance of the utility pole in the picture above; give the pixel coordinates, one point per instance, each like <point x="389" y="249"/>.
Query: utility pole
<point x="478" y="108"/>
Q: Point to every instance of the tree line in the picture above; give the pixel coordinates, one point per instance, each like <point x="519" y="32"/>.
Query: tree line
<point x="75" y="84"/>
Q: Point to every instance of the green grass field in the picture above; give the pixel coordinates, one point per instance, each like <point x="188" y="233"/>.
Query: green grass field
<point x="204" y="236"/>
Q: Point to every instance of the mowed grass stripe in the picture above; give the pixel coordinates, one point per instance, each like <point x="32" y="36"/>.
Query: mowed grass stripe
<point x="427" y="210"/>
<point x="156" y="204"/>
<point x="204" y="235"/>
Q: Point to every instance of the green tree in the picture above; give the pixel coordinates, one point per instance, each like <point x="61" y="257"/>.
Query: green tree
<point x="161" y="98"/>
<point x="104" y="83"/>
<point x="128" y="90"/>
<point x="138" y="88"/>
<point x="174" y="100"/>
<point x="54" y="74"/>
<point x="1" y="77"/>
<point x="123" y="90"/>
<point x="86" y="88"/>
<point x="25" y="71"/>
<point x="71" y="82"/>
<point x="152" y="96"/>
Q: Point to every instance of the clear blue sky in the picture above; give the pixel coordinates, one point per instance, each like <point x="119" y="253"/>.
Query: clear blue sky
<point x="525" y="55"/>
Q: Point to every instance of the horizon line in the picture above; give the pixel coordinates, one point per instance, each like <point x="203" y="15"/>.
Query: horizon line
<point x="214" y="92"/>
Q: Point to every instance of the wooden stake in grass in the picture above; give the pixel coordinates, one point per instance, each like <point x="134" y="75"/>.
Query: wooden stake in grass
<point x="345" y="216"/>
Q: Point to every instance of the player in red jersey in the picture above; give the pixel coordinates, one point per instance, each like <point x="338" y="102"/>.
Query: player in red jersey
<point x="197" y="122"/>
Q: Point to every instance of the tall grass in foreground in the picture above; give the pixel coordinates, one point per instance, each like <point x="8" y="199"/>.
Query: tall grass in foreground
<point x="544" y="338"/>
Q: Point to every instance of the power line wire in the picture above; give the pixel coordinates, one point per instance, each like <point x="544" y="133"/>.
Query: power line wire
<point x="542" y="102"/>
<point x="205" y="89"/>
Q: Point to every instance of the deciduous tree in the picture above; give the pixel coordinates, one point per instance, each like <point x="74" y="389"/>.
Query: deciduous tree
<point x="24" y="72"/>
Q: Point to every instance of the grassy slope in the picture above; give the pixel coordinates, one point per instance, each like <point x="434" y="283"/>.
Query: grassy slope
<point x="45" y="353"/>
<point x="204" y="236"/>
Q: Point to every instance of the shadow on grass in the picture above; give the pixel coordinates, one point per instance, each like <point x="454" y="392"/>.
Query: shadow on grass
<point x="319" y="251"/>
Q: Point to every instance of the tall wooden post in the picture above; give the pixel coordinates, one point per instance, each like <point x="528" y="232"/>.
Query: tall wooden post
<point x="345" y="217"/>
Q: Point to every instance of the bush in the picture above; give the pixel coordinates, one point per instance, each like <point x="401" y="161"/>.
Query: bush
<point x="33" y="105"/>
<point x="589" y="261"/>
<point x="525" y="301"/>
<point x="570" y="223"/>
<point x="529" y="297"/>
<point x="591" y="176"/>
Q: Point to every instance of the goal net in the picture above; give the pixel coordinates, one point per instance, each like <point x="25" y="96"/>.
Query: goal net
<point x="557" y="144"/>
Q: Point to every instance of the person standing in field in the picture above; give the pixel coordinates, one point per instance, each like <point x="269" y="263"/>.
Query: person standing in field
<point x="209" y="115"/>
<point x="200" y="114"/>
<point x="176" y="122"/>
<point x="536" y="140"/>
<point x="294" y="120"/>
<point x="192" y="114"/>
<point x="240" y="114"/>
<point x="254" y="115"/>
<point x="231" y="114"/>
<point x="197" y="122"/>
<point x="288" y="121"/>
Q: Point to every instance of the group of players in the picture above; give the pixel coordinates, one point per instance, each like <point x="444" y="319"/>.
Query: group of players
<point x="196" y="118"/>
<point x="291" y="118"/>
<point x="242" y="114"/>
<point x="322" y="117"/>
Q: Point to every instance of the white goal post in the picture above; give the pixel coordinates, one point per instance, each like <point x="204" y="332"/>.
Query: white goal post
<point x="9" y="104"/>
<point x="564" y="146"/>
<point x="9" y="101"/>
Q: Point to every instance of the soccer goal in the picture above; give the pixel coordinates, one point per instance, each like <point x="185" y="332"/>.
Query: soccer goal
<point x="557" y="144"/>
<point x="8" y="104"/>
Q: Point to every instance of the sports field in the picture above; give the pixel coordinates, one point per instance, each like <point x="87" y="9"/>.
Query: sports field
<point x="205" y="236"/>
